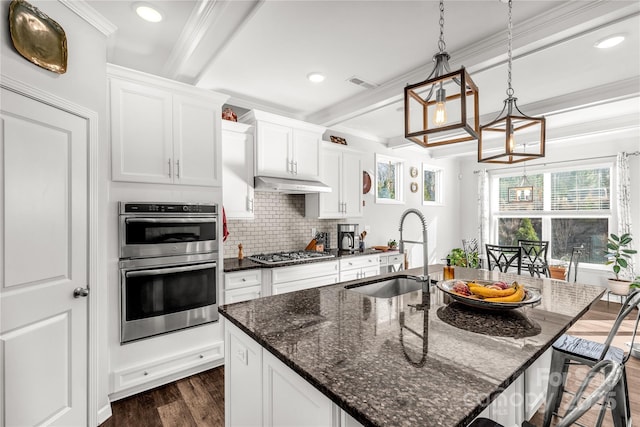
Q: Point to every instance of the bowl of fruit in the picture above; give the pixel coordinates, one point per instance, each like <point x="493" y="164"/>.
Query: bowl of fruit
<point x="493" y="295"/>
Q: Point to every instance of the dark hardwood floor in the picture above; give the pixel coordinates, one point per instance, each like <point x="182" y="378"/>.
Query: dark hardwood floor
<point x="199" y="400"/>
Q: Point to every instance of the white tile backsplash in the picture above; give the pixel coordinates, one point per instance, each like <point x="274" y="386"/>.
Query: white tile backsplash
<point x="279" y="224"/>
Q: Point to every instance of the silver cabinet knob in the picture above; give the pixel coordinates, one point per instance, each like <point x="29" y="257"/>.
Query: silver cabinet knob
<point x="80" y="292"/>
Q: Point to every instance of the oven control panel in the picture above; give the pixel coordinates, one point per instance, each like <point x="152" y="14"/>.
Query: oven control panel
<point x="170" y="208"/>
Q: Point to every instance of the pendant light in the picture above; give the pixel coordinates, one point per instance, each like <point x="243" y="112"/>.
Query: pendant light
<point x="443" y="109"/>
<point x="518" y="129"/>
<point x="523" y="192"/>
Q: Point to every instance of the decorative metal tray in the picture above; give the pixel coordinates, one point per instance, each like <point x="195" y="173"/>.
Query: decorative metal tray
<point x="531" y="297"/>
<point x="37" y="37"/>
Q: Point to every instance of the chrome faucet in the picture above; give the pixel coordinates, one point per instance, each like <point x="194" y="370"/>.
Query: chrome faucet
<point x="425" y="276"/>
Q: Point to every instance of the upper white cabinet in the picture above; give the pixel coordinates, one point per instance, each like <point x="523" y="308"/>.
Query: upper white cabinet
<point x="163" y="131"/>
<point x="342" y="171"/>
<point x="284" y="147"/>
<point x="237" y="169"/>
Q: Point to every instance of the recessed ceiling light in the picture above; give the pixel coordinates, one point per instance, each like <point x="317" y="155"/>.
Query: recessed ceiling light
<point x="147" y="12"/>
<point x="609" y="41"/>
<point x="315" y="77"/>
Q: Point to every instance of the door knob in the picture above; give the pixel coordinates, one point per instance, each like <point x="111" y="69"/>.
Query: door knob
<point x="80" y="292"/>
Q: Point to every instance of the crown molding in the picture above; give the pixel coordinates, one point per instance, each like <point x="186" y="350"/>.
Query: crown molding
<point x="90" y="15"/>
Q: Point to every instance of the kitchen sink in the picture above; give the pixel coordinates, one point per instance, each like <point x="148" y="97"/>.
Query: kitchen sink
<point x="387" y="288"/>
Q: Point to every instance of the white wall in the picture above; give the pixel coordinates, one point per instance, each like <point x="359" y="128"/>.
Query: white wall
<point x="83" y="84"/>
<point x="383" y="220"/>
<point x="569" y="152"/>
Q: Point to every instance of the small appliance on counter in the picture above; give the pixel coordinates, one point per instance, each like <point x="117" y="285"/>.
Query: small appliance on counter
<point x="347" y="237"/>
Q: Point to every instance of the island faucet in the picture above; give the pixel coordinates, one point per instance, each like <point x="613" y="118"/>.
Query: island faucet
<point x="425" y="276"/>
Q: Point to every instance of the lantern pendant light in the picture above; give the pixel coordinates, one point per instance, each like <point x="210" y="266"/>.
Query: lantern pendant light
<point x="443" y="109"/>
<point x="523" y="192"/>
<point x="518" y="129"/>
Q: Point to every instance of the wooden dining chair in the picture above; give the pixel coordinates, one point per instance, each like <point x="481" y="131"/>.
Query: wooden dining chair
<point x="534" y="257"/>
<point x="503" y="257"/>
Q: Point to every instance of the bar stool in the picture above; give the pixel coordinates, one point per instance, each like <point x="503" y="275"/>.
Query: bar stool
<point x="612" y="371"/>
<point x="503" y="257"/>
<point x="569" y="349"/>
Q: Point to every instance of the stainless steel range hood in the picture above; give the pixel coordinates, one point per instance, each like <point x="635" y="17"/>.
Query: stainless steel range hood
<point x="289" y="186"/>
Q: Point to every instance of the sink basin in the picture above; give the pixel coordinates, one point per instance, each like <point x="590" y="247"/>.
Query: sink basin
<point x="387" y="288"/>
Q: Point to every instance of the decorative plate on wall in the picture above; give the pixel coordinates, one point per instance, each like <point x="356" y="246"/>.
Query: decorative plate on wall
<point x="37" y="37"/>
<point x="413" y="171"/>
<point x="414" y="187"/>
<point x="366" y="182"/>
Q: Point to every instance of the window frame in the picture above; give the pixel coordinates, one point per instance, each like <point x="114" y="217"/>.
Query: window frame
<point x="399" y="181"/>
<point x="439" y="196"/>
<point x="546" y="214"/>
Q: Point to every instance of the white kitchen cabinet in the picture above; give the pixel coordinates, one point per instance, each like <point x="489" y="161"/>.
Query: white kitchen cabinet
<point x="237" y="169"/>
<point x="342" y="171"/>
<point x="163" y="131"/>
<point x="390" y="262"/>
<point x="242" y="373"/>
<point x="305" y="276"/>
<point x="359" y="267"/>
<point x="242" y="285"/>
<point x="285" y="147"/>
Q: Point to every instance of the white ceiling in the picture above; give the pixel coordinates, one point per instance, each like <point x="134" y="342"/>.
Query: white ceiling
<point x="260" y="52"/>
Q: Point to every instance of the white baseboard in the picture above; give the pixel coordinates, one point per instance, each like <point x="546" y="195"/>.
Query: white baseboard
<point x="104" y="413"/>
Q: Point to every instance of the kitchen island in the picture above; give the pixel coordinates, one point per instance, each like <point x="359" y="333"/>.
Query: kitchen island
<point x="414" y="359"/>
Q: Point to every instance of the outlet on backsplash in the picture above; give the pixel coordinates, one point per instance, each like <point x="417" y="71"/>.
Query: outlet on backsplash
<point x="279" y="224"/>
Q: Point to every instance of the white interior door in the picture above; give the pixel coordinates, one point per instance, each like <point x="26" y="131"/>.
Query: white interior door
<point x="43" y="258"/>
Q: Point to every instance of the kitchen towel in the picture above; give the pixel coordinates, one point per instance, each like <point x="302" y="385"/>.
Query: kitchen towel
<point x="225" y="230"/>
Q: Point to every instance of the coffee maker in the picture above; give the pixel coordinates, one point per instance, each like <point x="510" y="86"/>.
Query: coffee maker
<point x="347" y="235"/>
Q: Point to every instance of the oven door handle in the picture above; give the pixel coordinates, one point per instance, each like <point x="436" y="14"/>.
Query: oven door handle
<point x="169" y="270"/>
<point x="164" y="220"/>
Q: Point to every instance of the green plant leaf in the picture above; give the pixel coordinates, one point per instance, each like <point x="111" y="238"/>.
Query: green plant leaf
<point x="622" y="262"/>
<point x="629" y="251"/>
<point x="616" y="269"/>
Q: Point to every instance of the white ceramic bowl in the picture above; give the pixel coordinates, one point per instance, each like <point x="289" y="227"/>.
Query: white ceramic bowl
<point x="635" y="351"/>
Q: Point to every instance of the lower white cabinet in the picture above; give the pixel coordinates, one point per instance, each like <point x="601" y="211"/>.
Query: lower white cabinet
<point x="305" y="276"/>
<point x="359" y="267"/>
<point x="260" y="390"/>
<point x="390" y="262"/>
<point x="242" y="285"/>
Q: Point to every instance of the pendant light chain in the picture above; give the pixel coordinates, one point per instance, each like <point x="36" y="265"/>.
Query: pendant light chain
<point x="510" y="90"/>
<point x="441" y="44"/>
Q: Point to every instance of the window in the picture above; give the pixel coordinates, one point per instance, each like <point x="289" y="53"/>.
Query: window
<point x="431" y="185"/>
<point x="389" y="179"/>
<point x="568" y="207"/>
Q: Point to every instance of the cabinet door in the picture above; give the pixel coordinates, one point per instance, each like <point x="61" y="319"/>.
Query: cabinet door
<point x="237" y="167"/>
<point x="349" y="275"/>
<point x="352" y="184"/>
<point x="306" y="154"/>
<point x="288" y="400"/>
<point x="141" y="133"/>
<point x="196" y="148"/>
<point x="273" y="150"/>
<point x="374" y="270"/>
<point x="331" y="203"/>
<point x="242" y="372"/>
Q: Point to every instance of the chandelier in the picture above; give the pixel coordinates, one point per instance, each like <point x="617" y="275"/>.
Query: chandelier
<point x="443" y="109"/>
<point x="517" y="129"/>
<point x="523" y="192"/>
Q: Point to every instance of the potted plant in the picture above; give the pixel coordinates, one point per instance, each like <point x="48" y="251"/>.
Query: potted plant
<point x="392" y="244"/>
<point x="618" y="255"/>
<point x="559" y="269"/>
<point x="457" y="257"/>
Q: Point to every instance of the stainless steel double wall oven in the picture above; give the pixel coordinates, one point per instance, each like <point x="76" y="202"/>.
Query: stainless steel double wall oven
<point x="168" y="267"/>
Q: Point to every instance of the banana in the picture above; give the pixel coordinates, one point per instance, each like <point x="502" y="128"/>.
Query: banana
<point x="517" y="296"/>
<point x="489" y="293"/>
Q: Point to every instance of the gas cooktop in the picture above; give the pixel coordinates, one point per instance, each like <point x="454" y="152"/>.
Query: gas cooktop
<point x="287" y="257"/>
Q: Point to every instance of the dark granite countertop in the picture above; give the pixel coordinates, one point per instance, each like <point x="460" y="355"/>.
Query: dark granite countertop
<point x="234" y="264"/>
<point x="391" y="362"/>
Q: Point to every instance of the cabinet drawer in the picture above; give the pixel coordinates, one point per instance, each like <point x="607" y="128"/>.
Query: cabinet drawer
<point x="359" y="262"/>
<point x="242" y="294"/>
<point x="305" y="271"/>
<point x="241" y="279"/>
<point x="298" y="285"/>
<point x="395" y="259"/>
